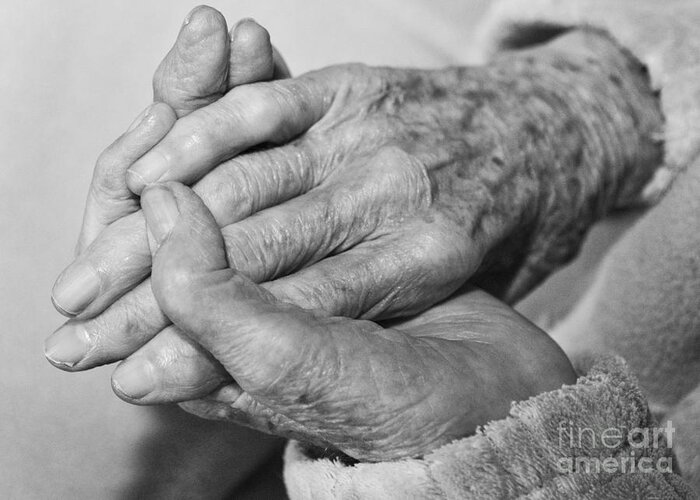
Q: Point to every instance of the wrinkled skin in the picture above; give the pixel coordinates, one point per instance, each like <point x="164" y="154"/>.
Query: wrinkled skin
<point x="373" y="393"/>
<point x="439" y="174"/>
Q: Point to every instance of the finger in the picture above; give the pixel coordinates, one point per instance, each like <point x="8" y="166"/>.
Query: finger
<point x="195" y="71"/>
<point x="261" y="179"/>
<point x="247" y="116"/>
<point x="109" y="198"/>
<point x="390" y="276"/>
<point x="171" y="367"/>
<point x="117" y="332"/>
<point x="251" y="58"/>
<point x="347" y="208"/>
<point x="112" y="265"/>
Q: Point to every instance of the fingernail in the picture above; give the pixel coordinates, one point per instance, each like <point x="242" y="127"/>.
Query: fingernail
<point x="134" y="379"/>
<point x="75" y="289"/>
<point x="243" y="21"/>
<point x="68" y="345"/>
<point x="160" y="208"/>
<point x="139" y="119"/>
<point x="135" y="182"/>
<point x="148" y="169"/>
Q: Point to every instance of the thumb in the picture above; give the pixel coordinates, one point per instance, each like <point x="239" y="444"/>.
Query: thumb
<point x="255" y="337"/>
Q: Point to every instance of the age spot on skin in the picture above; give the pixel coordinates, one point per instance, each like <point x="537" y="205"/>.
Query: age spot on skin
<point x="438" y="92"/>
<point x="533" y="131"/>
<point x="303" y="399"/>
<point x="564" y="65"/>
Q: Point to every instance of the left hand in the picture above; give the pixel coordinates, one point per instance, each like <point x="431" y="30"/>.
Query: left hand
<point x="373" y="393"/>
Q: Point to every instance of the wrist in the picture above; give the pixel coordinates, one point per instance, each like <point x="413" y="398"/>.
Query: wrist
<point x="581" y="122"/>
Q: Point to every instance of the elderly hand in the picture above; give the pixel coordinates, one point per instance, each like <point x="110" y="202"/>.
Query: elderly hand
<point x="404" y="185"/>
<point x="374" y="393"/>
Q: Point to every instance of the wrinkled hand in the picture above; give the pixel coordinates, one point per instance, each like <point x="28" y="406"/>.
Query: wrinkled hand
<point x="374" y="393"/>
<point x="404" y="185"/>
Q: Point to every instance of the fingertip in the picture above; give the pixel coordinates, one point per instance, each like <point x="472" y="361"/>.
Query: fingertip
<point x="75" y="289"/>
<point x="135" y="182"/>
<point x="202" y="22"/>
<point x="59" y="307"/>
<point x="194" y="72"/>
<point x="169" y="368"/>
<point x="161" y="212"/>
<point x="157" y="117"/>
<point x="251" y="55"/>
<point x="133" y="380"/>
<point x="67" y="346"/>
<point x="249" y="33"/>
<point x="147" y="170"/>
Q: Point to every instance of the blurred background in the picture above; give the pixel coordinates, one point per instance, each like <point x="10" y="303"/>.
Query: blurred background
<point x="73" y="75"/>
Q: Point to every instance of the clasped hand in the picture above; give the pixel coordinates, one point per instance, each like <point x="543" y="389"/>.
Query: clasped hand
<point x="349" y="192"/>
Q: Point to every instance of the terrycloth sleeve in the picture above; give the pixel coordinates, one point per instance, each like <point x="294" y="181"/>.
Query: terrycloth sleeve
<point x="662" y="35"/>
<point x="595" y="440"/>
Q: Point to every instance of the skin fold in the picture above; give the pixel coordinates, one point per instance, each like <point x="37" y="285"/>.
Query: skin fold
<point x="370" y="193"/>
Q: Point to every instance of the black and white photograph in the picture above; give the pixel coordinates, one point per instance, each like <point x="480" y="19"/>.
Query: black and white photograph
<point x="370" y="249"/>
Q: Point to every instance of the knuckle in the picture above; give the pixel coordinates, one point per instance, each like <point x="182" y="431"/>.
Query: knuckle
<point x="201" y="130"/>
<point x="300" y="293"/>
<point x="400" y="181"/>
<point x="278" y="106"/>
<point x="252" y="107"/>
<point x="250" y="250"/>
<point x="217" y="190"/>
<point x="109" y="173"/>
<point x="436" y="247"/>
